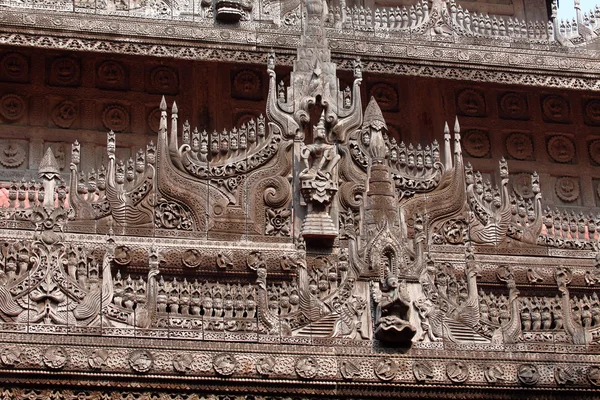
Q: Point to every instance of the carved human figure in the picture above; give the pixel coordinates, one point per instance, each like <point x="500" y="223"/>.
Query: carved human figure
<point x="320" y="157"/>
<point x="392" y="314"/>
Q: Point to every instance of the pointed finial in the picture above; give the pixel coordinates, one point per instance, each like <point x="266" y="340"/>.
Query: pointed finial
<point x="163" y="104"/>
<point x="49" y="168"/>
<point x="446" y="129"/>
<point x="174" y="109"/>
<point x="456" y="126"/>
<point x="373" y="116"/>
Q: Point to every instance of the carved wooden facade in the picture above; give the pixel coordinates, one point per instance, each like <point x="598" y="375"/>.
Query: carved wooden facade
<point x="297" y="221"/>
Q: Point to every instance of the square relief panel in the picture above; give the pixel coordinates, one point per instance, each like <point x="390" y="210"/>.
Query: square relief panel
<point x="471" y="103"/>
<point x="13" y="154"/>
<point x="63" y="71"/>
<point x="476" y="142"/>
<point x="594" y="151"/>
<point x="556" y="109"/>
<point x="246" y="85"/>
<point x="112" y="75"/>
<point x="64" y="113"/>
<point x="567" y="190"/>
<point x="513" y="105"/>
<point x="591" y="112"/>
<point x="519" y="146"/>
<point x="561" y="149"/>
<point x="386" y="96"/>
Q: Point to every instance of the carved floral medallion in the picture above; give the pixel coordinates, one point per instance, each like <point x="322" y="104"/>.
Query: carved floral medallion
<point x="519" y="146"/>
<point x="246" y="85"/>
<point x="116" y="118"/>
<point x="561" y="149"/>
<point x="225" y="364"/>
<point x="14" y="67"/>
<point x="385" y="95"/>
<point x="594" y="149"/>
<point x="522" y="185"/>
<point x="555" y="109"/>
<point x="141" y="361"/>
<point x="64" y="114"/>
<point x="476" y="143"/>
<point x="385" y="369"/>
<point x="12" y="107"/>
<point x="514" y="106"/>
<point x="592" y="112"/>
<point x="12" y="154"/>
<point x="164" y="79"/>
<point x="65" y="71"/>
<point x="567" y="189"/>
<point x="471" y="103"/>
<point x="307" y="367"/>
<point x="55" y="357"/>
<point x="111" y="75"/>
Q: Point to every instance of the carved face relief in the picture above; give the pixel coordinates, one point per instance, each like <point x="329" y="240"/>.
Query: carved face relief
<point x="366" y="138"/>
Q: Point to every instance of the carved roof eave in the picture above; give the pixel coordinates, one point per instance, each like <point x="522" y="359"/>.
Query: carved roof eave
<point x="472" y="59"/>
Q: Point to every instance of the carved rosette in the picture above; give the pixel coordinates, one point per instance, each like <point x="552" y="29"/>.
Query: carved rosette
<point x="514" y="106"/>
<point x="12" y="154"/>
<point x="64" y="114"/>
<point x="591" y="112"/>
<point x="567" y="189"/>
<point x="519" y="146"/>
<point x="471" y="103"/>
<point x="55" y="357"/>
<point x="225" y="364"/>
<point x="307" y="367"/>
<point x="141" y="361"/>
<point x="12" y="107"/>
<point x="65" y="71"/>
<point x="476" y="143"/>
<point x="555" y="109"/>
<point x="561" y="149"/>
<point x="528" y="374"/>
<point x="386" y="369"/>
<point x="115" y="118"/>
<point x="14" y="67"/>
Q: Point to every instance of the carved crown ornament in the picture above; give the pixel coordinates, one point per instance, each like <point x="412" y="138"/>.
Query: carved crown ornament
<point x="267" y="244"/>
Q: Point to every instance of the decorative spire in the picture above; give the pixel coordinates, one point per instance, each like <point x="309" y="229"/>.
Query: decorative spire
<point x="373" y="116"/>
<point x="49" y="168"/>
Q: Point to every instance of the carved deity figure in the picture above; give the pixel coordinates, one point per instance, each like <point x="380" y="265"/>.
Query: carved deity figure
<point x="320" y="157"/>
<point x="392" y="314"/>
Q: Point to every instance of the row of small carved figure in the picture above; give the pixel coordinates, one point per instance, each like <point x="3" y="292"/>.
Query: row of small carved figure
<point x="569" y="225"/>
<point x="540" y="313"/>
<point x="305" y="367"/>
<point x="27" y="194"/>
<point x="227" y="144"/>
